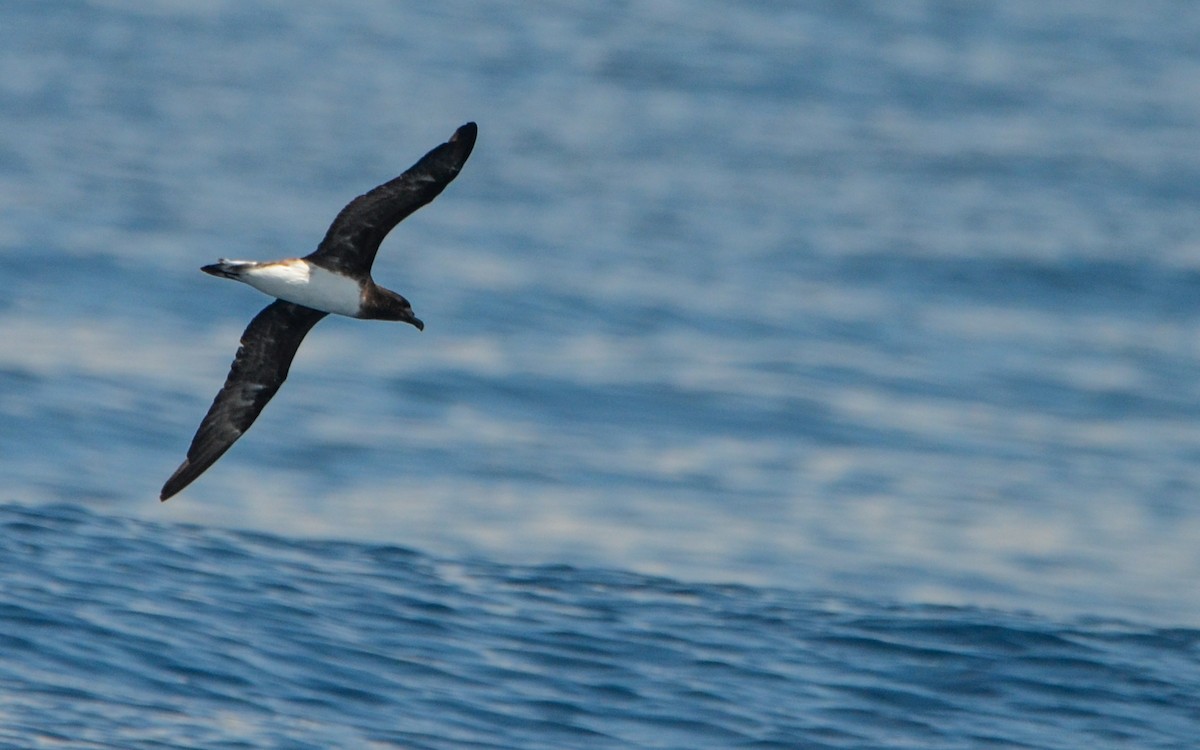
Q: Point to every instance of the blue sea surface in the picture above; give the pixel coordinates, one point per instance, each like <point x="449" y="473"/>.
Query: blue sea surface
<point x="125" y="633"/>
<point x="795" y="375"/>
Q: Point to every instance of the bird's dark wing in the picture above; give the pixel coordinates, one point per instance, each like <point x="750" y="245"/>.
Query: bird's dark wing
<point x="261" y="365"/>
<point x="353" y="238"/>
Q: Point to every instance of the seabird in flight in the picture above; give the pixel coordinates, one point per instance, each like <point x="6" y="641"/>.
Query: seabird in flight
<point x="336" y="278"/>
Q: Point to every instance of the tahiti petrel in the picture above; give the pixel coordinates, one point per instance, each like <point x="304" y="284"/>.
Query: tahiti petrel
<point x="336" y="278"/>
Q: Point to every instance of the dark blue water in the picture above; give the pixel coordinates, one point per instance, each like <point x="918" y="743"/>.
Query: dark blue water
<point x="120" y="633"/>
<point x="870" y="327"/>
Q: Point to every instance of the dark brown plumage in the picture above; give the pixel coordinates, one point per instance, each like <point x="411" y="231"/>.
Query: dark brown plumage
<point x="270" y="342"/>
<point x="353" y="238"/>
<point x="260" y="366"/>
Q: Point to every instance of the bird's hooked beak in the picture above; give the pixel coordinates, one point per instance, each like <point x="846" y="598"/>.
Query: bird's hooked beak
<point x="416" y="322"/>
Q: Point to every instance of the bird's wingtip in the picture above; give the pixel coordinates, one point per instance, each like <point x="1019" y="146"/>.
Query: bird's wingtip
<point x="466" y="132"/>
<point x="176" y="483"/>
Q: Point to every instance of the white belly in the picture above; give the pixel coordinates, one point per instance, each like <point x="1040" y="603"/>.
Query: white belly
<point x="305" y="284"/>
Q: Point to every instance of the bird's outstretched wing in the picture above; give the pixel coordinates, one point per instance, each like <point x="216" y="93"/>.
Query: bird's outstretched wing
<point x="261" y="365"/>
<point x="353" y="239"/>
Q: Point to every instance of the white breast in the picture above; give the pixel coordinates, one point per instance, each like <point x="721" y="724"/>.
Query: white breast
<point x="305" y="284"/>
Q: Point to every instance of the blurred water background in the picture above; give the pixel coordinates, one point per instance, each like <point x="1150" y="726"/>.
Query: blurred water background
<point x="813" y="340"/>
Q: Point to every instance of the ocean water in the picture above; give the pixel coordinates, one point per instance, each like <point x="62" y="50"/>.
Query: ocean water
<point x="125" y="633"/>
<point x="795" y="375"/>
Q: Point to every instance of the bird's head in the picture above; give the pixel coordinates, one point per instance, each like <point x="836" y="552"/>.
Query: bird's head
<point x="387" y="305"/>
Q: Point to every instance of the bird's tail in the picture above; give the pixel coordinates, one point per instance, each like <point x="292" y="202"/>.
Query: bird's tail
<point x="229" y="269"/>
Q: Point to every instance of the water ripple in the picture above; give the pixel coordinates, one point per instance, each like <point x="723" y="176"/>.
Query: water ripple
<point x="136" y="634"/>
